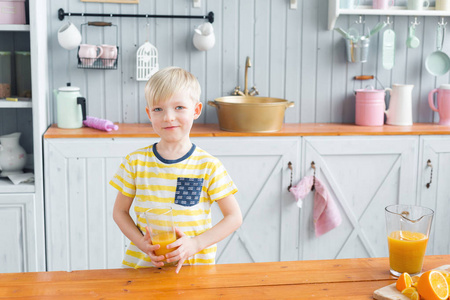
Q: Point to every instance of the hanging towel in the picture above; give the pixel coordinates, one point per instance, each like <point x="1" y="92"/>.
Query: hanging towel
<point x="326" y="214"/>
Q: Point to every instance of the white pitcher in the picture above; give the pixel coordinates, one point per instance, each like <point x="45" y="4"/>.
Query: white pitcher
<point x="12" y="156"/>
<point x="400" y="106"/>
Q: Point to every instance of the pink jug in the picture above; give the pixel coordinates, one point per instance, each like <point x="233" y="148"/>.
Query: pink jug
<point x="443" y="103"/>
<point x="370" y="107"/>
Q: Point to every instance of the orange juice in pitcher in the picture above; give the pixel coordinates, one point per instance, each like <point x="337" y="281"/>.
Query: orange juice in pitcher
<point x="408" y="230"/>
<point x="407" y="250"/>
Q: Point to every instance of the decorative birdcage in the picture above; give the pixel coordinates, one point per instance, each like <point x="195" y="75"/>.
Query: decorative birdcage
<point x="146" y="61"/>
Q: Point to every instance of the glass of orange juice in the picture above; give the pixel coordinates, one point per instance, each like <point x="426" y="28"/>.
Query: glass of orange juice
<point x="408" y="229"/>
<point x="161" y="227"/>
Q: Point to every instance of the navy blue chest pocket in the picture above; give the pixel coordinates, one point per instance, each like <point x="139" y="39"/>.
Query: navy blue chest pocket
<point x="188" y="191"/>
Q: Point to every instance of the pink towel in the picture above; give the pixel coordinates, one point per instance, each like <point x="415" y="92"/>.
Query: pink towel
<point x="326" y="213"/>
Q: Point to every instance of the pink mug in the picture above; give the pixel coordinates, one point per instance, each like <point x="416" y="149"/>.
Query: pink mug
<point x="88" y="54"/>
<point x="443" y="103"/>
<point x="382" y="4"/>
<point x="109" y="55"/>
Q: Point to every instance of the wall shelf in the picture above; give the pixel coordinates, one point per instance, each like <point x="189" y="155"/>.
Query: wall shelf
<point x="6" y="186"/>
<point x="334" y="12"/>
<point x="22" y="103"/>
<point x="14" y="27"/>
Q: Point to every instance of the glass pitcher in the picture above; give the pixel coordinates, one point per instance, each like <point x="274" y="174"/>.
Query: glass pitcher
<point x="408" y="230"/>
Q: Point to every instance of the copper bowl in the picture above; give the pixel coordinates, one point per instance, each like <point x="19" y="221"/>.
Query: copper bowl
<point x="250" y="114"/>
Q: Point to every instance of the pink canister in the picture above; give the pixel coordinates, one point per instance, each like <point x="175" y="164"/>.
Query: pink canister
<point x="370" y="107"/>
<point x="12" y="12"/>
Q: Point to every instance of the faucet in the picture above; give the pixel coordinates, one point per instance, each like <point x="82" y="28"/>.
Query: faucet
<point x="246" y="92"/>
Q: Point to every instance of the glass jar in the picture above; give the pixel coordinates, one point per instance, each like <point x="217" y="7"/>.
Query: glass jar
<point x="23" y="74"/>
<point x="5" y="74"/>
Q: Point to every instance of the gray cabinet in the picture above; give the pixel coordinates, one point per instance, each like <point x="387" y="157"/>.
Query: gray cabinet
<point x="81" y="233"/>
<point x="363" y="174"/>
<point x="22" y="241"/>
<point x="18" y="234"/>
<point x="436" y="149"/>
<point x="259" y="168"/>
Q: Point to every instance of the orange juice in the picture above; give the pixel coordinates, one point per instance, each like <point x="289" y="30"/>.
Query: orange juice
<point x="406" y="251"/>
<point x="163" y="239"/>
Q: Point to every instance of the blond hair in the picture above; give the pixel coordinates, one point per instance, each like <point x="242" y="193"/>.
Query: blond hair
<point x="169" y="81"/>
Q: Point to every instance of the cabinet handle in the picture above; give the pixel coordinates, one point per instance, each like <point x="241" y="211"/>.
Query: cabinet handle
<point x="431" y="173"/>
<point x="292" y="171"/>
<point x="313" y="165"/>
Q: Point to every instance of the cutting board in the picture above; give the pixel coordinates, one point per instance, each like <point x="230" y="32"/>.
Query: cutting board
<point x="390" y="292"/>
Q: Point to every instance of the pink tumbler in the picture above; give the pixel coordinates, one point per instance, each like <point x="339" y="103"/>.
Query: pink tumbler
<point x="370" y="107"/>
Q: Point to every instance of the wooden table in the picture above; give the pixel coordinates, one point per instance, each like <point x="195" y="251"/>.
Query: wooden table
<point x="341" y="279"/>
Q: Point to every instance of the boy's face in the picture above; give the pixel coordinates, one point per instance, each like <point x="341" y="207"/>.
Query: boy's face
<point x="172" y="119"/>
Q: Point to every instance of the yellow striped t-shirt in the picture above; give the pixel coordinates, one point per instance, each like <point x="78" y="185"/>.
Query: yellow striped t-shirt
<point x="154" y="181"/>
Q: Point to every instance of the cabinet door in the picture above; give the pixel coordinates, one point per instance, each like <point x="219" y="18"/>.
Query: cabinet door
<point x="18" y="251"/>
<point x="363" y="175"/>
<point x="259" y="168"/>
<point x="436" y="149"/>
<point x="81" y="233"/>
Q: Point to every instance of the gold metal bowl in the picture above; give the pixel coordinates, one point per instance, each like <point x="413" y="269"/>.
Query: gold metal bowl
<point x="250" y="114"/>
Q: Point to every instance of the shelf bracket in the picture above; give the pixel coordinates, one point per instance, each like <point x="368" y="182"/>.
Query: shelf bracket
<point x="62" y="14"/>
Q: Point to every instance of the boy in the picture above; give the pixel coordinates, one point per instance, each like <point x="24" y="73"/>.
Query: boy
<point x="154" y="174"/>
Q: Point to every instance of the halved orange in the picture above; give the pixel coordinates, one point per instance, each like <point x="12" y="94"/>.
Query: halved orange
<point x="403" y="282"/>
<point x="447" y="277"/>
<point x="433" y="286"/>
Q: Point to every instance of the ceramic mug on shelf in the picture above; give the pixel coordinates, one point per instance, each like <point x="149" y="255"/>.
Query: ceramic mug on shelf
<point x="383" y="4"/>
<point x="89" y="54"/>
<point x="68" y="36"/>
<point x="417" y="4"/>
<point x="109" y="55"/>
<point x="442" y="4"/>
<point x="349" y="4"/>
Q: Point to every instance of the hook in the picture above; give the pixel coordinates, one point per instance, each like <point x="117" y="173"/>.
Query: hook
<point x="388" y="21"/>
<point x="361" y="20"/>
<point x="313" y="165"/>
<point x="415" y="23"/>
<point x="442" y="22"/>
<point x="292" y="170"/>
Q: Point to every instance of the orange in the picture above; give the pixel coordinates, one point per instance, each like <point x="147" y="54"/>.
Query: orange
<point x="447" y="277"/>
<point x="409" y="291"/>
<point x="415" y="296"/>
<point x="403" y="282"/>
<point x="433" y="286"/>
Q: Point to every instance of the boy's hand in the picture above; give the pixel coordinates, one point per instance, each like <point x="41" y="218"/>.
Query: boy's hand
<point x="147" y="247"/>
<point x="186" y="248"/>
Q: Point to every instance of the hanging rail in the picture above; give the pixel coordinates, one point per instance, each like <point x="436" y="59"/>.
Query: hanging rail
<point x="61" y="15"/>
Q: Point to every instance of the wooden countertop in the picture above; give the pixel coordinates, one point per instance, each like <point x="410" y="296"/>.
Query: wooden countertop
<point x="321" y="279"/>
<point x="210" y="130"/>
